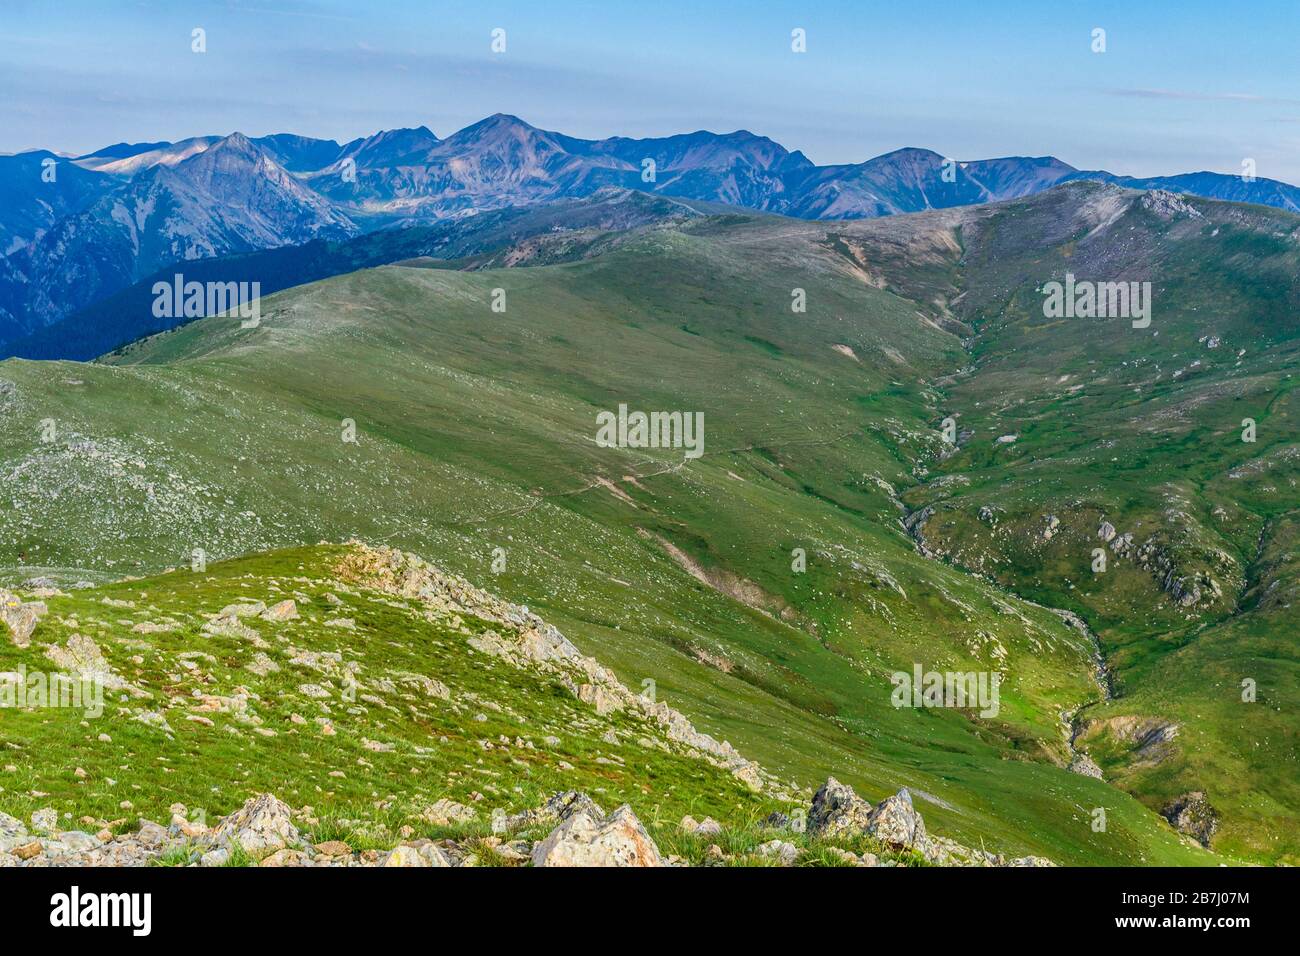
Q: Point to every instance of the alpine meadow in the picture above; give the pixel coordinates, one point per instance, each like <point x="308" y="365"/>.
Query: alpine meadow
<point x="503" y="497"/>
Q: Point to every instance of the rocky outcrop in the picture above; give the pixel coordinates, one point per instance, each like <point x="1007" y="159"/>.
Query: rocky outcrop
<point x="556" y="809"/>
<point x="1167" y="205"/>
<point x="583" y="840"/>
<point x="523" y="639"/>
<point x="1192" y="814"/>
<point x="20" y="616"/>
<point x="914" y="525"/>
<point x="1186" y="588"/>
<point x="1151" y="738"/>
<point x="1085" y="766"/>
<point x="896" y="824"/>
<point x="81" y="657"/>
<point x="261" y="826"/>
<point x="837" y="809"/>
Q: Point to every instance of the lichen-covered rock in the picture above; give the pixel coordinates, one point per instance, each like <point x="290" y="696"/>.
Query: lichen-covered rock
<point x="20" y="616"/>
<point x="433" y="856"/>
<point x="284" y="611"/>
<point x="836" y="808"/>
<point x="1192" y="814"/>
<point x="404" y="856"/>
<point x="261" y="826"/>
<point x="82" y="657"/>
<point x="581" y="840"/>
<point x="896" y="823"/>
<point x="777" y="820"/>
<point x="45" y="821"/>
<point x="447" y="812"/>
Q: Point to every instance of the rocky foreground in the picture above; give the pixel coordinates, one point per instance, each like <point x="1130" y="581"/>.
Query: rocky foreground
<point x="265" y="831"/>
<point x="380" y="712"/>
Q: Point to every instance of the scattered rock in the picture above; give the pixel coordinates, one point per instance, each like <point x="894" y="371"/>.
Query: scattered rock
<point x="895" y="823"/>
<point x="20" y="616"/>
<point x="581" y="840"/>
<point x="261" y="826"/>
<point x="448" y="812"/>
<point x="1192" y="814"/>
<point x="82" y="657"/>
<point x="333" y="848"/>
<point x="836" y="808"/>
<point x="708" y="827"/>
<point x="285" y="857"/>
<point x="243" y="609"/>
<point x="784" y="852"/>
<point x="1084" y="765"/>
<point x="284" y="611"/>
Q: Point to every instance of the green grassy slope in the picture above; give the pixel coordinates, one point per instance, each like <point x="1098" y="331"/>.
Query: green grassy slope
<point x="475" y="432"/>
<point x="1142" y="429"/>
<point x="366" y="730"/>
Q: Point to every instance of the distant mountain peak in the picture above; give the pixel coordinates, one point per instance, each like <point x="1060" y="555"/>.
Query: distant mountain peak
<point x="498" y="126"/>
<point x="504" y="119"/>
<point x="235" y="142"/>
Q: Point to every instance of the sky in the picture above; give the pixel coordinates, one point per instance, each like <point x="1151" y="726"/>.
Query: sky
<point x="1183" y="85"/>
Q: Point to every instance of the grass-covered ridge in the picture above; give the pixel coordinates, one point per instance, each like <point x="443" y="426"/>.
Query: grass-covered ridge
<point x="475" y="433"/>
<point x="366" y="706"/>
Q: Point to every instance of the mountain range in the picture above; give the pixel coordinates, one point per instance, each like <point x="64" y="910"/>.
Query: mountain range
<point x="117" y="216"/>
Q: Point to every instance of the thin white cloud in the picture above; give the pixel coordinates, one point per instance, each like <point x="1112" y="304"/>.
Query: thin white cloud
<point x="1153" y="94"/>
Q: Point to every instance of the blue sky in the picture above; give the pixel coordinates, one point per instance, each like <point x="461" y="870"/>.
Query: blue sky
<point x="1182" y="85"/>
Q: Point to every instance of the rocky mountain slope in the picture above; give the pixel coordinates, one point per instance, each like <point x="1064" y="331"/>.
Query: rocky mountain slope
<point x="512" y="236"/>
<point x="412" y="719"/>
<point x="118" y="215"/>
<point x="474" y="444"/>
<point x="229" y="197"/>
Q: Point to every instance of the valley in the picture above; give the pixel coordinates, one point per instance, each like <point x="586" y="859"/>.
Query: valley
<point x="476" y="448"/>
